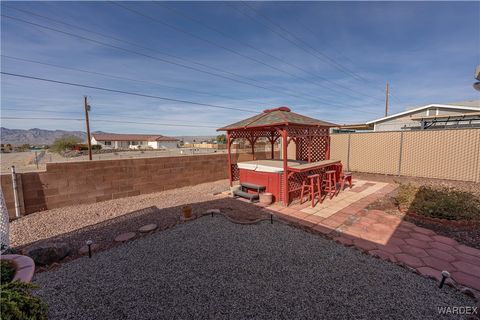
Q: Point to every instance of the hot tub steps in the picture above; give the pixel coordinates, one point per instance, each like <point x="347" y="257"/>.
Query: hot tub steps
<point x="257" y="187"/>
<point x="246" y="195"/>
<point x="243" y="191"/>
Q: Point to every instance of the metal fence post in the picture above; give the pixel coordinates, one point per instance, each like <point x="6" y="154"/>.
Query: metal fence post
<point x="18" y="212"/>
<point x="348" y="152"/>
<point x="400" y="155"/>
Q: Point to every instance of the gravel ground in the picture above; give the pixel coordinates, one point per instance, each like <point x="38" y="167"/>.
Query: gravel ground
<point x="210" y="268"/>
<point x="102" y="221"/>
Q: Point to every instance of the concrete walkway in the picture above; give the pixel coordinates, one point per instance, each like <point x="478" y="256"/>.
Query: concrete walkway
<point x="346" y="219"/>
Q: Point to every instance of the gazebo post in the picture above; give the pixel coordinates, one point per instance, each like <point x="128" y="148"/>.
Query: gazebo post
<point x="327" y="153"/>
<point x="285" y="166"/>
<point x="272" y="142"/>
<point x="229" y="158"/>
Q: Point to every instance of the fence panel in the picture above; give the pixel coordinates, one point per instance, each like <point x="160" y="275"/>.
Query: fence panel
<point x="440" y="154"/>
<point x="376" y="152"/>
<point x="339" y="148"/>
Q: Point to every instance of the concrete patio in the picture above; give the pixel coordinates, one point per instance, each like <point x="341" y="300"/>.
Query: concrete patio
<point x="346" y="219"/>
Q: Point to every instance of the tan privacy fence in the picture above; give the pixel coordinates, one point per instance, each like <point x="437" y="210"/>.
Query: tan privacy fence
<point x="441" y="154"/>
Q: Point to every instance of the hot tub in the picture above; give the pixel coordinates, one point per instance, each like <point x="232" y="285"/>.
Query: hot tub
<point x="269" y="173"/>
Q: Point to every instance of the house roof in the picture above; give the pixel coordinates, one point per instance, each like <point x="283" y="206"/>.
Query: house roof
<point x="130" y="137"/>
<point x="356" y="126"/>
<point x="473" y="105"/>
<point x="274" y="117"/>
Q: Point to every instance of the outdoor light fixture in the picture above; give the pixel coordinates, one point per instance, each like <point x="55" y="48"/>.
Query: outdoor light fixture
<point x="89" y="244"/>
<point x="476" y="85"/>
<point x="445" y="275"/>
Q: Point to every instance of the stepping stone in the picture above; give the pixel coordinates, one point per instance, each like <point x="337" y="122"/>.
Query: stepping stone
<point x="125" y="236"/>
<point x="84" y="249"/>
<point x="147" y="228"/>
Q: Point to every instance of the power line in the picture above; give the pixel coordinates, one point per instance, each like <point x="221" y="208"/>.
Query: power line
<point x="280" y="89"/>
<point x="131" y="43"/>
<point x="213" y="43"/>
<point x="106" y="114"/>
<point x="294" y="43"/>
<point x="331" y="60"/>
<point x="124" y="92"/>
<point x="116" y="121"/>
<point x="254" y="48"/>
<point x="122" y="78"/>
<point x="135" y="52"/>
<point x="299" y="22"/>
<point x="107" y="121"/>
<point x="197" y="63"/>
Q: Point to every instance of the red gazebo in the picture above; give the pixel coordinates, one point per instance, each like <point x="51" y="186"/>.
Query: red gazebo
<point x="282" y="177"/>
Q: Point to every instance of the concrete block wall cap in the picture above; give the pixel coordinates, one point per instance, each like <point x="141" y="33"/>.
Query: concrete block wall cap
<point x="24" y="266"/>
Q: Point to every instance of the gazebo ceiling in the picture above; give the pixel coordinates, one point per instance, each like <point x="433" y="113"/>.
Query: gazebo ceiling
<point x="281" y="116"/>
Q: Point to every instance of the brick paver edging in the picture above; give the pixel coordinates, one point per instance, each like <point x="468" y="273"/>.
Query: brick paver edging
<point x="390" y="238"/>
<point x="24" y="266"/>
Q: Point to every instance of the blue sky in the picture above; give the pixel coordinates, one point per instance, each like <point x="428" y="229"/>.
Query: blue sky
<point x="328" y="60"/>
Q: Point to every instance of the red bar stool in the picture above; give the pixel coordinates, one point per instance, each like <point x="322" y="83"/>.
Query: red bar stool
<point x="314" y="181"/>
<point x="330" y="186"/>
<point x="345" y="176"/>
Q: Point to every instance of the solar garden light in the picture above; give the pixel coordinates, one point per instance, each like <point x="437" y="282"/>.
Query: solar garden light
<point x="89" y="244"/>
<point x="445" y="275"/>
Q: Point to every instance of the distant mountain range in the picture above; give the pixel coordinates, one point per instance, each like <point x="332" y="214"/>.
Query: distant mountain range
<point x="35" y="136"/>
<point x="39" y="137"/>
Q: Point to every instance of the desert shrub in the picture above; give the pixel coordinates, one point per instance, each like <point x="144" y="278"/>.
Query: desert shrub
<point x="65" y="143"/>
<point x="405" y="196"/>
<point x="18" y="303"/>
<point x="96" y="147"/>
<point x="439" y="202"/>
<point x="7" y="271"/>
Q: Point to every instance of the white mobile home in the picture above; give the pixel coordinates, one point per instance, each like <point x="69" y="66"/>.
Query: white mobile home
<point x="133" y="141"/>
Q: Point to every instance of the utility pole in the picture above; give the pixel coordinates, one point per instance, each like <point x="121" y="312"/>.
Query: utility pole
<point x="386" y="102"/>
<point x="87" y="108"/>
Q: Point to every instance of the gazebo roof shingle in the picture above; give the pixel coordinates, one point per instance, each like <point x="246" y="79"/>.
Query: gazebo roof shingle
<point x="276" y="117"/>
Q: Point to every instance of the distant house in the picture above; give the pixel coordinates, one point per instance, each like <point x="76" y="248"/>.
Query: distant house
<point x="462" y="114"/>
<point x="133" y="141"/>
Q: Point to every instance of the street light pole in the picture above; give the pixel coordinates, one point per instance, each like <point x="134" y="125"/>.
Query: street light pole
<point x="89" y="142"/>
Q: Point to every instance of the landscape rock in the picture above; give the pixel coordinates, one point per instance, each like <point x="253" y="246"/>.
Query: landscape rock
<point x="47" y="253"/>
<point x="469" y="292"/>
<point x="148" y="228"/>
<point x="125" y="237"/>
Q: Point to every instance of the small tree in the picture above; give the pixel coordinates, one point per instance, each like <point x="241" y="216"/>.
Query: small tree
<point x="222" y="139"/>
<point x="25" y="147"/>
<point x="65" y="143"/>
